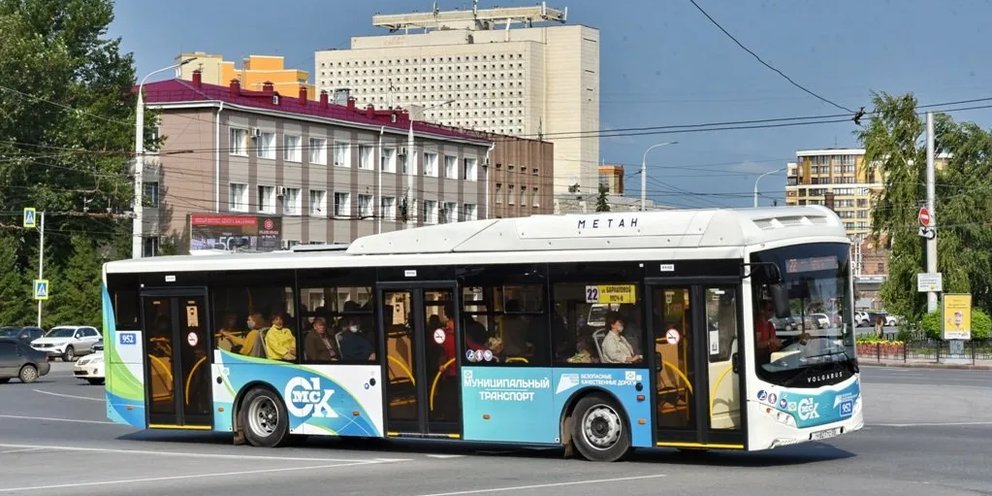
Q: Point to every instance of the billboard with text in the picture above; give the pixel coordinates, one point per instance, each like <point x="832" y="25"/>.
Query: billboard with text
<point x="234" y="233"/>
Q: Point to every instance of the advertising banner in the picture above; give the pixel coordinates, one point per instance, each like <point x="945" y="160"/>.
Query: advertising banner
<point x="957" y="316"/>
<point x="234" y="233"/>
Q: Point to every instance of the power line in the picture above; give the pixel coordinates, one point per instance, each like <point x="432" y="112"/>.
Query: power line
<point x="766" y="64"/>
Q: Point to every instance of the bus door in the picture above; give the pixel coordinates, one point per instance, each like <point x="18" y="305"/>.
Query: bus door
<point x="422" y="393"/>
<point x="177" y="368"/>
<point x="697" y="383"/>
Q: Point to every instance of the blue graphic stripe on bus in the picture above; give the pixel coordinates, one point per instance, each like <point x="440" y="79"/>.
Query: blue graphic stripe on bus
<point x="125" y="411"/>
<point x="813" y="409"/>
<point x="311" y="398"/>
<point x="525" y="404"/>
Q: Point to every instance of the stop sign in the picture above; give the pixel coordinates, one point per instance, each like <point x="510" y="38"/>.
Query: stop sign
<point x="925" y="219"/>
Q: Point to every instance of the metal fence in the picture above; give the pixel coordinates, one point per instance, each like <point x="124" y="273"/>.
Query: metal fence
<point x="936" y="351"/>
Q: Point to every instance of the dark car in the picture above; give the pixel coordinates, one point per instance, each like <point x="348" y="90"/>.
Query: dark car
<point x="20" y="360"/>
<point x="23" y="334"/>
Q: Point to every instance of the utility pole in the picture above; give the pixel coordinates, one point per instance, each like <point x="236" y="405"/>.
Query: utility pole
<point x="41" y="256"/>
<point x="932" y="242"/>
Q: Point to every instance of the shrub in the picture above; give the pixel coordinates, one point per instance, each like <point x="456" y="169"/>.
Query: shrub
<point x="932" y="325"/>
<point x="981" y="325"/>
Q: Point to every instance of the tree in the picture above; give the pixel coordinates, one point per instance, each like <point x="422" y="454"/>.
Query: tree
<point x="68" y="113"/>
<point x="895" y="150"/>
<point x="602" y="201"/>
<point x="76" y="298"/>
<point x="14" y="307"/>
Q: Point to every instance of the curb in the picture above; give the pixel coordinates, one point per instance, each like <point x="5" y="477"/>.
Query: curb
<point x="911" y="365"/>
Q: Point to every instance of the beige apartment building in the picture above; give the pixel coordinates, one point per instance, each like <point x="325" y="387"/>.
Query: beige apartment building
<point x="477" y="69"/>
<point x="249" y="170"/>
<point x="255" y="71"/>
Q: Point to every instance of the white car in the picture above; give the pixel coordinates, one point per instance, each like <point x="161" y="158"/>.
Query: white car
<point x="90" y="368"/>
<point x="67" y="342"/>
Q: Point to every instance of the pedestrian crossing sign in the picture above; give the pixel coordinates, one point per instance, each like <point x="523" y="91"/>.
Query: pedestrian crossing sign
<point x="30" y="218"/>
<point x="41" y="289"/>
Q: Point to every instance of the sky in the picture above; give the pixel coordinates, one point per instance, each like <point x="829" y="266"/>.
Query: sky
<point x="662" y="63"/>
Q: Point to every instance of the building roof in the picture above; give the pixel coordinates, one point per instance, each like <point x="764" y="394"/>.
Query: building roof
<point x="178" y="93"/>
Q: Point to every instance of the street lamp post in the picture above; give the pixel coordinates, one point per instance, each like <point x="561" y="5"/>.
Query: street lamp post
<point x="759" y="179"/>
<point x="139" y="161"/>
<point x="644" y="170"/>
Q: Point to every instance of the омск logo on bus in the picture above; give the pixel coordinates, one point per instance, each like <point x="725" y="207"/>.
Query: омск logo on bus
<point x="304" y="397"/>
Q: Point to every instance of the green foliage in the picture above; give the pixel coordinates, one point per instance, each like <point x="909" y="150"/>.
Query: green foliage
<point x="932" y="325"/>
<point x="894" y="142"/>
<point x="981" y="324"/>
<point x="76" y="296"/>
<point x="13" y="306"/>
<point x="66" y="136"/>
<point x="602" y="201"/>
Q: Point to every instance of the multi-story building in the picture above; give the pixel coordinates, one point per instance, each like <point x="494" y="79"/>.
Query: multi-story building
<point x="838" y="178"/>
<point x="533" y="81"/>
<point x="244" y="168"/>
<point x="611" y="178"/>
<point x="521" y="177"/>
<point x="255" y="71"/>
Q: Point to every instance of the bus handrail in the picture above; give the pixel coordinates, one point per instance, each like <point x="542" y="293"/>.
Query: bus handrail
<point x="189" y="378"/>
<point x="403" y="366"/>
<point x="438" y="378"/>
<point x="716" y="386"/>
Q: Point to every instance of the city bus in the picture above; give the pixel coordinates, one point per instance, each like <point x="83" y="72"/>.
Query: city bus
<point x="600" y="333"/>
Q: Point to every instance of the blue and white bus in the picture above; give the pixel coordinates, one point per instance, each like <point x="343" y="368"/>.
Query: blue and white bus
<point x="600" y="333"/>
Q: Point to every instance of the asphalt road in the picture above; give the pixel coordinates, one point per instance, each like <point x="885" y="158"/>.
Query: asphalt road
<point x="928" y="433"/>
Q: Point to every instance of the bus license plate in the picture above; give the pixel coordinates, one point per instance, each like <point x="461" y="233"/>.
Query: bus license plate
<point x="827" y="434"/>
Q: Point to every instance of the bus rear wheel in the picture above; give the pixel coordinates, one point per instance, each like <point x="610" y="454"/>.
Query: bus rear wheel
<point x="600" y="430"/>
<point x="264" y="419"/>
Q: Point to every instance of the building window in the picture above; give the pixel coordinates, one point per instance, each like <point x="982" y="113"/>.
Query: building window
<point x="404" y="164"/>
<point x="510" y="197"/>
<point x="239" y="142"/>
<point x="292" y="151"/>
<point x="449" y="213"/>
<point x="318" y="203"/>
<point x="388" y="208"/>
<point x="266" y="200"/>
<point x="342" y="154"/>
<point x="450" y="167"/>
<point x="318" y="151"/>
<point x="430" y="164"/>
<point x="387" y="162"/>
<point x="151" y="194"/>
<point x="471" y="172"/>
<point x="469" y="211"/>
<point x="430" y="212"/>
<point x="365" y="206"/>
<point x="365" y="158"/>
<point x="536" y="199"/>
<point x="291" y="201"/>
<point x="267" y="146"/>
<point x="238" y="197"/>
<point x="342" y="204"/>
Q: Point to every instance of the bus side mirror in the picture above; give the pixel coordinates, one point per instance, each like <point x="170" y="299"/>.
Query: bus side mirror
<point x="780" y="298"/>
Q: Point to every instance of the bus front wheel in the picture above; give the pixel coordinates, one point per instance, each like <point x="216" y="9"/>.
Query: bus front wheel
<point x="264" y="418"/>
<point x="599" y="430"/>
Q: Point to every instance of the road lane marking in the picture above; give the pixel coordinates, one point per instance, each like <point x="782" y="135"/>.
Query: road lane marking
<point x="69" y="396"/>
<point x="445" y="457"/>
<point x="197" y="455"/>
<point x="931" y="424"/>
<point x="23" y="450"/>
<point x="55" y="419"/>
<point x="554" y="484"/>
<point x="182" y="477"/>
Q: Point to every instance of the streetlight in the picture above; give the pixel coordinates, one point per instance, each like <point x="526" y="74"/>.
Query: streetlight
<point x="644" y="170"/>
<point x="758" y="179"/>
<point x="139" y="161"/>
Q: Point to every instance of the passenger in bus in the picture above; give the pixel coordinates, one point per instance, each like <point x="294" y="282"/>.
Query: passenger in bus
<point x="495" y="345"/>
<point x="253" y="344"/>
<point x="583" y="352"/>
<point x="514" y="330"/>
<point x="229" y="337"/>
<point x="766" y="342"/>
<point x="616" y="348"/>
<point x="280" y="343"/>
<point x="318" y="345"/>
<point x="354" y="346"/>
<point x="448" y="345"/>
<point x="475" y="335"/>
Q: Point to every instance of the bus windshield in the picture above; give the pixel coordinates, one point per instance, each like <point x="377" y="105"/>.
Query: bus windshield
<point x="814" y="345"/>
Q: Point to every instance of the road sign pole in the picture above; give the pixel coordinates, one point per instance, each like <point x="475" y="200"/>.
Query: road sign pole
<point x="41" y="256"/>
<point x="931" y="242"/>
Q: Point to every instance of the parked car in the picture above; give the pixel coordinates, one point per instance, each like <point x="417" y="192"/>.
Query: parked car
<point x="19" y="360"/>
<point x="891" y="320"/>
<point x="98" y="345"/>
<point x="23" y="334"/>
<point x="90" y="368"/>
<point x="820" y="320"/>
<point x="861" y="318"/>
<point x="67" y="342"/>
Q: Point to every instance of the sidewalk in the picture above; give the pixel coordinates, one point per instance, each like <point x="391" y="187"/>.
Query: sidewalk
<point x="871" y="361"/>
